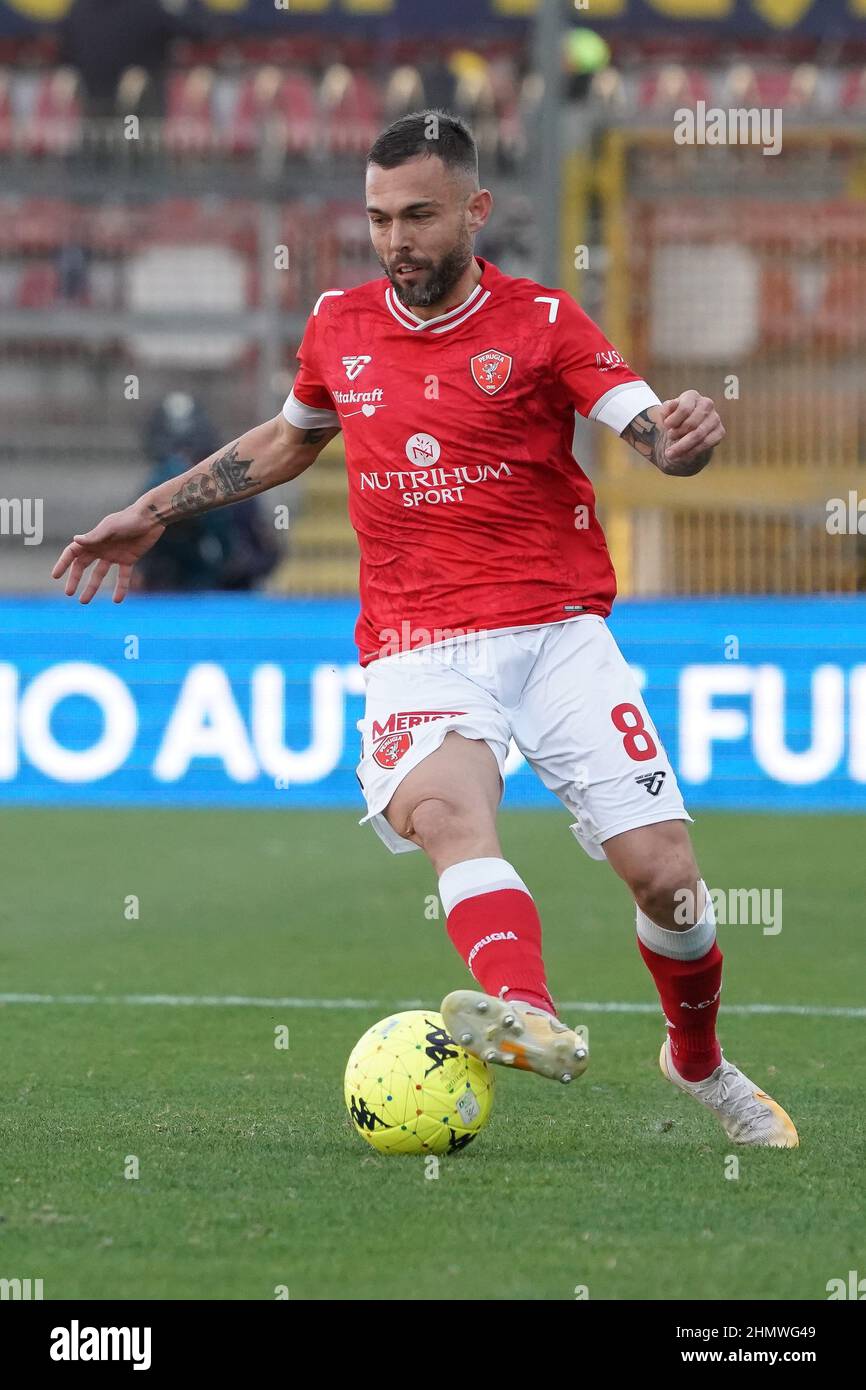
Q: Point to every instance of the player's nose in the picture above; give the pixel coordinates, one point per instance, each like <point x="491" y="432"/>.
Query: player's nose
<point x="400" y="245"/>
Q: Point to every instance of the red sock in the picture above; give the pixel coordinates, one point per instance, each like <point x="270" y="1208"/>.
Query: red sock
<point x="498" y="934"/>
<point x="689" y="991"/>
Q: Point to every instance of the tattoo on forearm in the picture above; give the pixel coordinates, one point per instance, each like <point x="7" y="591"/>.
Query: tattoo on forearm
<point x="651" y="440"/>
<point x="226" y="479"/>
<point x="645" y="435"/>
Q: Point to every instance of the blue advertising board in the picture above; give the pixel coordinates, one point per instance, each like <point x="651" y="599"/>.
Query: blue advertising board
<point x="252" y="700"/>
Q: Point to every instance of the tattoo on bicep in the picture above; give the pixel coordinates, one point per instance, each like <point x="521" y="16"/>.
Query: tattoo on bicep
<point x="647" y="437"/>
<point x="314" y="436"/>
<point x="227" y="478"/>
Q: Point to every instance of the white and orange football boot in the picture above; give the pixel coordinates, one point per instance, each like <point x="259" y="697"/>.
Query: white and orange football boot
<point x="746" y="1113"/>
<point x="514" y="1034"/>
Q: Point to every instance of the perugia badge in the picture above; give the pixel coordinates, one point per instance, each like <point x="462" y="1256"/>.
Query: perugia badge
<point x="491" y="370"/>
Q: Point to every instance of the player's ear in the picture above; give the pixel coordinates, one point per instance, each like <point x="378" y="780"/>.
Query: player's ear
<point x="479" y="208"/>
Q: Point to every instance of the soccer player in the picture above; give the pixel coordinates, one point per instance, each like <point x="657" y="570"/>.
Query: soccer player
<point x="485" y="582"/>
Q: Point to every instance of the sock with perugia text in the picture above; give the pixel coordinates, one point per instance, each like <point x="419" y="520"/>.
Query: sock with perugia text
<point x="494" y="924"/>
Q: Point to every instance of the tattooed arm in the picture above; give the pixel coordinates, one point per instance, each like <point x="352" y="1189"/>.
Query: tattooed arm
<point x="262" y="458"/>
<point x="678" y="436"/>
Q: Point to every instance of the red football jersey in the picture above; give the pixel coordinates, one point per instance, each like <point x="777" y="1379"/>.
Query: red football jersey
<point x="470" y="508"/>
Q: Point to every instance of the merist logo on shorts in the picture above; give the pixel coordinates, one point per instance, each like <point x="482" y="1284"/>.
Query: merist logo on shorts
<point x="394" y="738"/>
<point x="486" y="940"/>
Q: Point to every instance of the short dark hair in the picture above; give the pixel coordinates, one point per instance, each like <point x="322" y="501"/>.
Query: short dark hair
<point x="428" y="133"/>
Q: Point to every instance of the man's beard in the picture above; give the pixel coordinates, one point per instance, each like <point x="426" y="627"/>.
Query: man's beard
<point x="443" y="276"/>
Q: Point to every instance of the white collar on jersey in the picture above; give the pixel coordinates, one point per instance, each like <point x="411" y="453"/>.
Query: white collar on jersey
<point x="443" y="323"/>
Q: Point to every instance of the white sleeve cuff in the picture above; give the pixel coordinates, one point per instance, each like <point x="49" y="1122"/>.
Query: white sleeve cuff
<point x="618" y="406"/>
<point x="307" y="417"/>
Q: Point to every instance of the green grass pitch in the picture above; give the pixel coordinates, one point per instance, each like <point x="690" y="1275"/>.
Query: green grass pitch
<point x="249" y="1175"/>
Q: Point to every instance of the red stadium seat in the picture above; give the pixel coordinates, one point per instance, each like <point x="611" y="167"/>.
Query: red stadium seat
<point x="301" y="111"/>
<point x="54" y="127"/>
<point x="352" y="108"/>
<point x="39" y="224"/>
<point x="852" y="97"/>
<point x="259" y="92"/>
<point x="774" y="87"/>
<point x="6" y="130"/>
<point x="38" y="287"/>
<point x="189" y="120"/>
<point x="673" y="86"/>
<point x="276" y="108"/>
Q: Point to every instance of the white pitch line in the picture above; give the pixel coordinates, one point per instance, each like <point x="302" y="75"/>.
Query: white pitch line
<point x="243" y="1001"/>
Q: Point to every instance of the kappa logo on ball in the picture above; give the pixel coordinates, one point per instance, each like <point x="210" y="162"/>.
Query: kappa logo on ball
<point x="394" y="738"/>
<point x="491" y="370"/>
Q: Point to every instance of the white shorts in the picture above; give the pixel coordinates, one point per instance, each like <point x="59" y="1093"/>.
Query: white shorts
<point x="562" y="691"/>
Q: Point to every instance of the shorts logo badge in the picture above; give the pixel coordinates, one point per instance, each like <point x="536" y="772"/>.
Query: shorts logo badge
<point x="391" y="750"/>
<point x="491" y="370"/>
<point x="393" y="737"/>
<point x="653" y="781"/>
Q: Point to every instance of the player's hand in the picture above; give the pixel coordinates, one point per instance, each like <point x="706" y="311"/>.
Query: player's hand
<point x="693" y="429"/>
<point x="119" y="539"/>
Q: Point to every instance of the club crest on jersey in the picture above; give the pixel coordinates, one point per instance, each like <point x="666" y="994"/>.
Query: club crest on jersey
<point x="355" y="365"/>
<point x="491" y="370"/>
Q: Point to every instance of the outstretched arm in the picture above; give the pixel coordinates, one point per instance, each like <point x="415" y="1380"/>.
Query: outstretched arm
<point x="678" y="436"/>
<point x="262" y="458"/>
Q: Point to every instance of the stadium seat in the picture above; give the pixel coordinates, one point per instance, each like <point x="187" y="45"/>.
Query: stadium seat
<point x="274" y="108"/>
<point x="404" y="92"/>
<point x="54" y="127"/>
<point x="6" y="129"/>
<point x="132" y="88"/>
<point x="301" y="111"/>
<point x="352" y="109"/>
<point x="38" y="287"/>
<point x="671" y="86"/>
<point x="256" y="107"/>
<point x="189" y="121"/>
<point x="852" y="97"/>
<point x="790" y="89"/>
<point x="36" y="224"/>
<point x="611" y="93"/>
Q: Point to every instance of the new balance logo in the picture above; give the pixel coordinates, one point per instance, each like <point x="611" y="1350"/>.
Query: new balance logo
<point x="653" y="781"/>
<point x="355" y="365"/>
<point x="486" y="940"/>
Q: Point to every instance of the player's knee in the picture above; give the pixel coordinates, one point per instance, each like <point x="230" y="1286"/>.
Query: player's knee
<point x="440" y="825"/>
<point x="664" y="891"/>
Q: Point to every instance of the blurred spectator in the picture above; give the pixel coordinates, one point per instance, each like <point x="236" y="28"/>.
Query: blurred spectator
<point x="103" y="38"/>
<point x="229" y="548"/>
